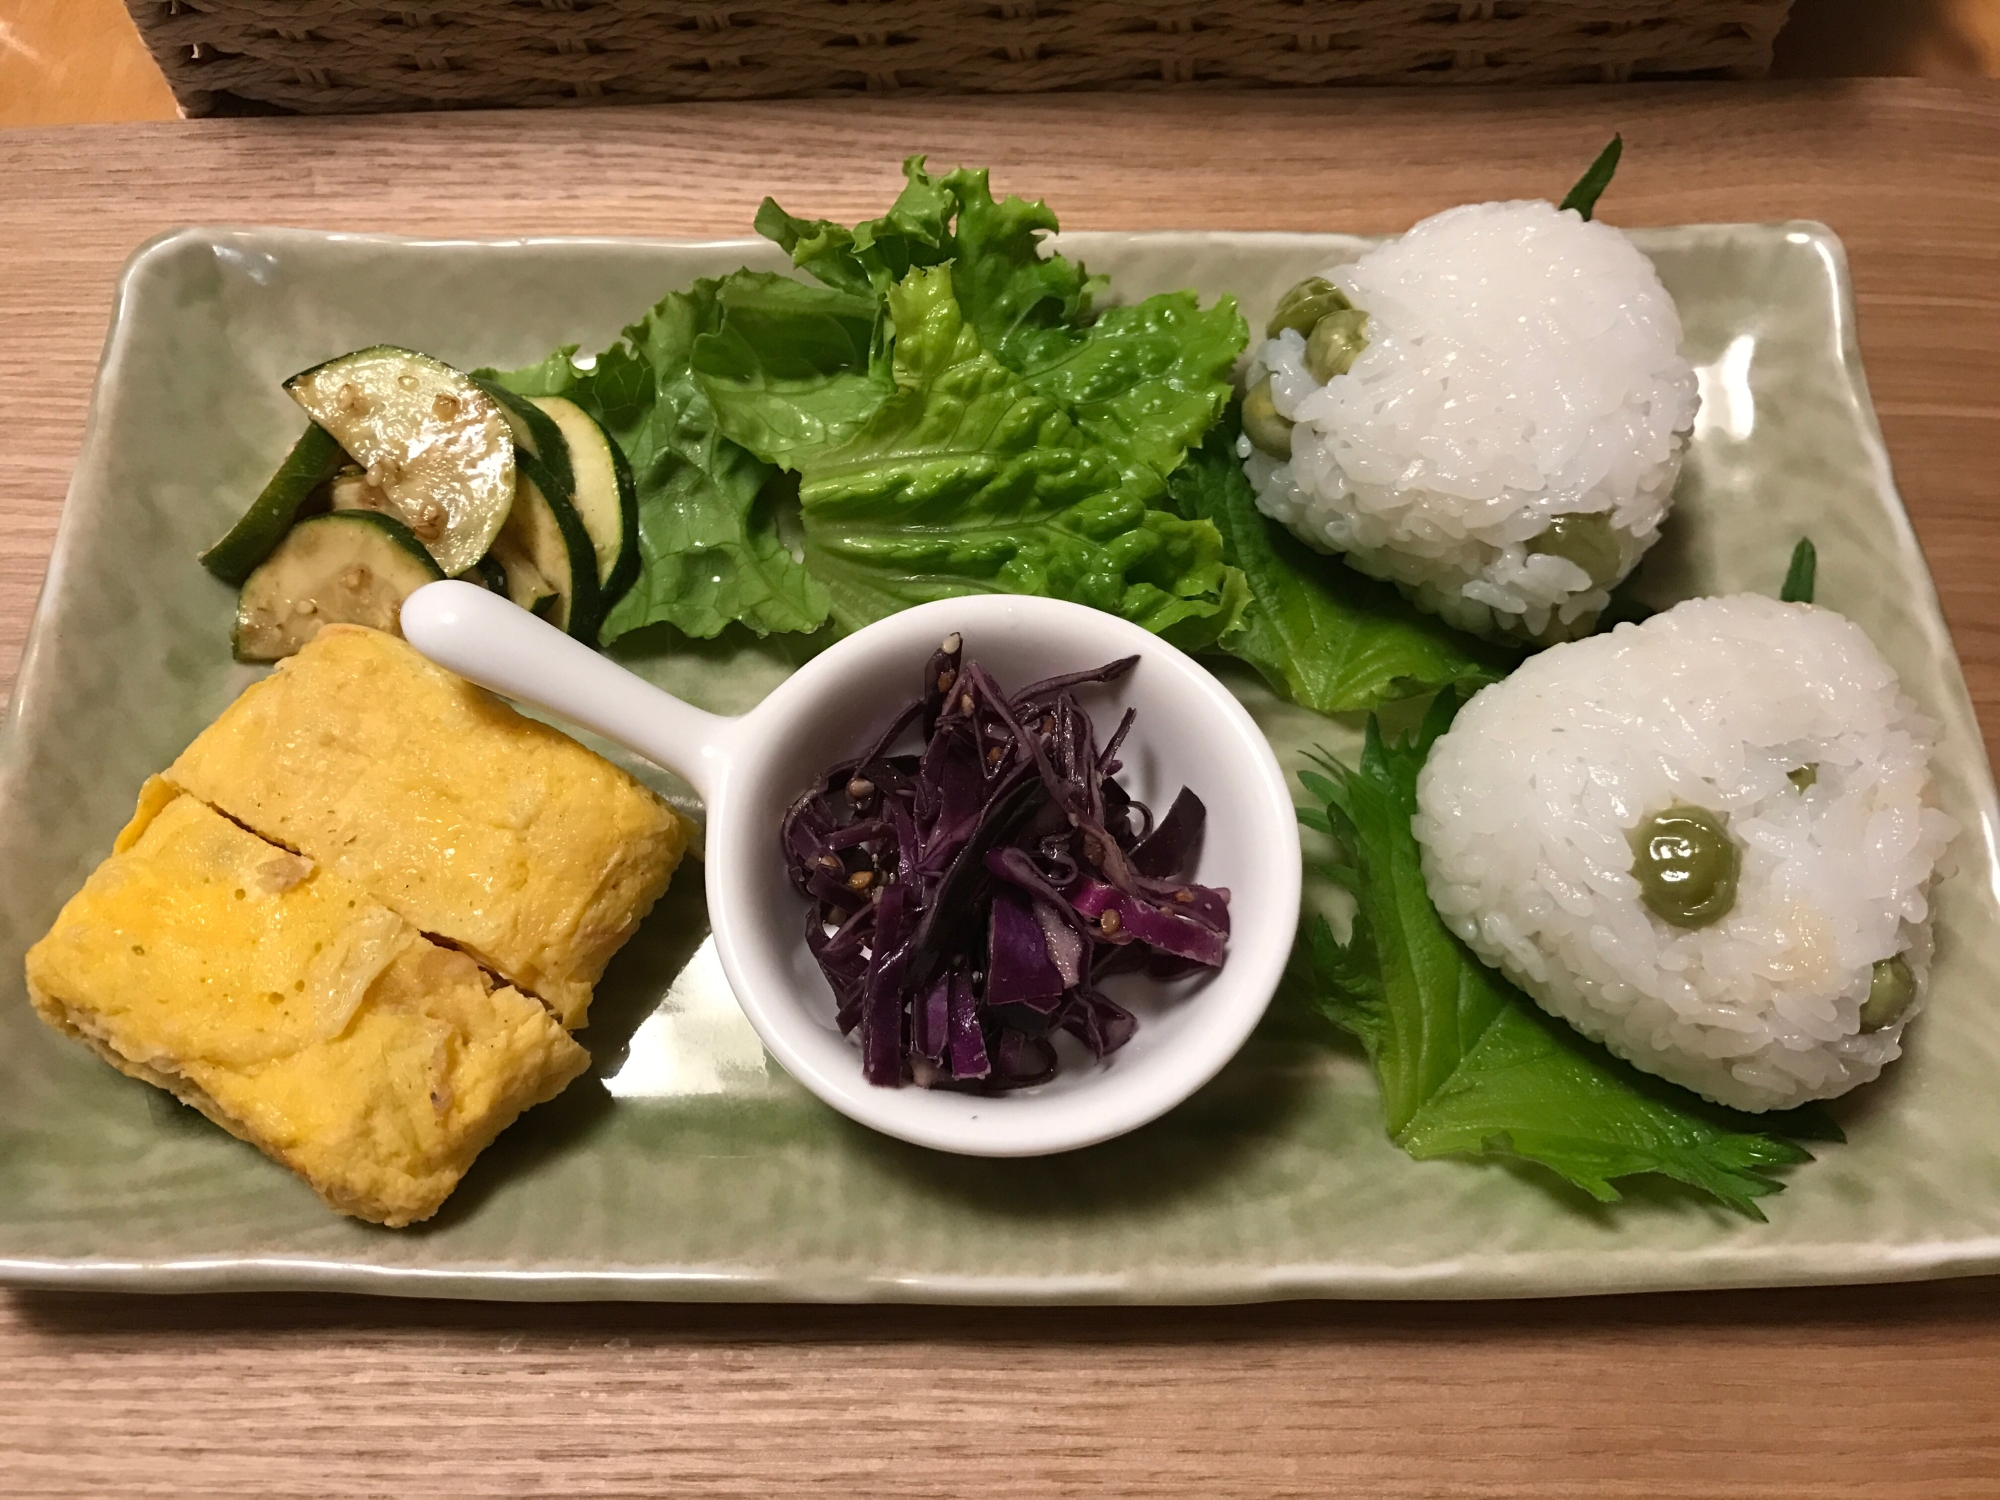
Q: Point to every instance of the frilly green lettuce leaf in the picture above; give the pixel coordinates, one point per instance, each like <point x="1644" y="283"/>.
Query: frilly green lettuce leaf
<point x="791" y="369"/>
<point x="557" y="375"/>
<point x="1320" y="633"/>
<point x="1146" y="381"/>
<point x="877" y="253"/>
<point x="1469" y="1065"/>
<point x="960" y="420"/>
<point x="967" y="480"/>
<point x="710" y="552"/>
<point x="1029" y="307"/>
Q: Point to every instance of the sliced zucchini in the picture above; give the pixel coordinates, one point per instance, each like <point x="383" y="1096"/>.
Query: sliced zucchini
<point x="535" y="432"/>
<point x="352" y="490"/>
<point x="438" y="447"/>
<point x="353" y="567"/>
<point x="606" y="499"/>
<point x="487" y="573"/>
<point x="289" y="493"/>
<point x="543" y="455"/>
<point x="520" y="579"/>
<point x="543" y="528"/>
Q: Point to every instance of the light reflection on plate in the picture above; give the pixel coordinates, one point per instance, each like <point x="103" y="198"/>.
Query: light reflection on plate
<point x="697" y="1042"/>
<point x="1727" y="404"/>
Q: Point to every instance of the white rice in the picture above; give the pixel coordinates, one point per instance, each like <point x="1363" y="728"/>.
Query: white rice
<point x="1525" y="805"/>
<point x="1522" y="363"/>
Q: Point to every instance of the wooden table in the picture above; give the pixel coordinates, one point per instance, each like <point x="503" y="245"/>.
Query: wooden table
<point x="1877" y="1391"/>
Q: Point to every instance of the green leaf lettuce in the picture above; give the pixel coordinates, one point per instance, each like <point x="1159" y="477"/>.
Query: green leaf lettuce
<point x="876" y="254"/>
<point x="791" y="369"/>
<point x="1146" y="381"/>
<point x="709" y="545"/>
<point x="964" y="478"/>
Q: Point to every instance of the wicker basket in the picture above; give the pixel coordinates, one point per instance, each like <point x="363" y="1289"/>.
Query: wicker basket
<point x="332" y="55"/>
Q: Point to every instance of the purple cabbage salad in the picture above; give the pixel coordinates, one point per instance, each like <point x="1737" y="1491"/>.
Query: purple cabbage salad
<point x="968" y="900"/>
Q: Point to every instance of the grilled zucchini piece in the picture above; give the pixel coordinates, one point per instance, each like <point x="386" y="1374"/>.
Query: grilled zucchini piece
<point x="353" y="567"/>
<point x="291" y="492"/>
<point x="544" y="529"/>
<point x="437" y="446"/>
<point x="605" y="497"/>
<point x="487" y="573"/>
<point x="535" y="433"/>
<point x="520" y="579"/>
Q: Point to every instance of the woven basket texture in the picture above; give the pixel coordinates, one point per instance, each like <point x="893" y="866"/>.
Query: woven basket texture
<point x="346" y="55"/>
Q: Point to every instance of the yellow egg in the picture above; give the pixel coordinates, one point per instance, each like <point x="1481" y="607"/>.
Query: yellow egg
<point x="274" y="995"/>
<point x="477" y="825"/>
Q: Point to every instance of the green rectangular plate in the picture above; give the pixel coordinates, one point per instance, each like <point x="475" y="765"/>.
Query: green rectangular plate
<point x="686" y="1165"/>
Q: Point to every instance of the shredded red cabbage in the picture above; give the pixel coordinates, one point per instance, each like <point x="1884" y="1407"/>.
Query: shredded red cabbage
<point x="968" y="900"/>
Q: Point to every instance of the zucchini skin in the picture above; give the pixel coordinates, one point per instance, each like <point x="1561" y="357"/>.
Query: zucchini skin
<point x="586" y="600"/>
<point x="627" y="572"/>
<point x="313" y="460"/>
<point x="620" y="494"/>
<point x="488" y="574"/>
<point x="373" y="349"/>
<point x="550" y="446"/>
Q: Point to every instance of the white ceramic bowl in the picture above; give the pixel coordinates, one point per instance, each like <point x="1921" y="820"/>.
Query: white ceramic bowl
<point x="1190" y="731"/>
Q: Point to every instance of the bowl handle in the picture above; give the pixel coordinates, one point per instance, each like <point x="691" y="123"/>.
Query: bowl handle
<point x="477" y="634"/>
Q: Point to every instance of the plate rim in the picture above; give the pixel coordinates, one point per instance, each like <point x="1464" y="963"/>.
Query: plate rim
<point x="1596" y="1274"/>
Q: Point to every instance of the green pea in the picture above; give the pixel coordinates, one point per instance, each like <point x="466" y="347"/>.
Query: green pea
<point x="1686" y="865"/>
<point x="1805" y="778"/>
<point x="1586" y="540"/>
<point x="1890" y="992"/>
<point x="1336" y="343"/>
<point x="1262" y="424"/>
<point x="1305" y="304"/>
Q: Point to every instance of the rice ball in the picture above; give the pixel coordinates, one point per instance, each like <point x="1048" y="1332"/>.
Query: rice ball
<point x="1779" y="729"/>
<point x="1496" y="425"/>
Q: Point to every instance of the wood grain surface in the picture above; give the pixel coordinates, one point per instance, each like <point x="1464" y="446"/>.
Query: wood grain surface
<point x="1869" y="1392"/>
